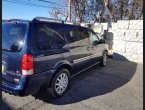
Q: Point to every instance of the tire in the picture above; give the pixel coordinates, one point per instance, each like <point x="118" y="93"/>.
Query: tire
<point x="59" y="86"/>
<point x="103" y="61"/>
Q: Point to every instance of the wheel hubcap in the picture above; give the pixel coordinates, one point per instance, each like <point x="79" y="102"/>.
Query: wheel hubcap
<point x="61" y="83"/>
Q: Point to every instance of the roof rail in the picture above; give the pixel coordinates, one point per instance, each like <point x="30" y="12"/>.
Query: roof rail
<point x="4" y="20"/>
<point x="47" y="19"/>
<point x="18" y="20"/>
<point x="52" y="20"/>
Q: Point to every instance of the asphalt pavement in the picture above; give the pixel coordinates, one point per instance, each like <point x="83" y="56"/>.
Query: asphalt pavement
<point x="118" y="86"/>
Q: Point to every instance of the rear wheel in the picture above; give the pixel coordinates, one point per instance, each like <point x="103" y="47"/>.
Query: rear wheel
<point x="60" y="83"/>
<point x="103" y="61"/>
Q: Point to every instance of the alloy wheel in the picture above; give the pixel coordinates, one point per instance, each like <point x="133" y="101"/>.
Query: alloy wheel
<point x="61" y="83"/>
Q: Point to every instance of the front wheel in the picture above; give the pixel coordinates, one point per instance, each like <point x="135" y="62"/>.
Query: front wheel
<point x="103" y="61"/>
<point x="60" y="83"/>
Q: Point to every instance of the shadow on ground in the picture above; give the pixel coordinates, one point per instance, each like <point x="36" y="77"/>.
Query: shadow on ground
<point x="117" y="56"/>
<point x="95" y="82"/>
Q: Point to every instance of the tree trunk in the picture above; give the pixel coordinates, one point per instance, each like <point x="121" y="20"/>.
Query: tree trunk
<point x="131" y="13"/>
<point x="108" y="8"/>
<point x="141" y="14"/>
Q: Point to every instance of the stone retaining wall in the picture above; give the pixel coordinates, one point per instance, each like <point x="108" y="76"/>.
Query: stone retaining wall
<point x="125" y="38"/>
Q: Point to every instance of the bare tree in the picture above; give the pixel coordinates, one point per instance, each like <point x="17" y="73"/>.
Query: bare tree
<point x="109" y="8"/>
<point x="141" y="14"/>
<point x="57" y="13"/>
<point x="140" y="7"/>
<point x="79" y="8"/>
<point x="99" y="10"/>
<point x="131" y="12"/>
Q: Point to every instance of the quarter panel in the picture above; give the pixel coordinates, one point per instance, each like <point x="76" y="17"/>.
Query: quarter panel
<point x="44" y="61"/>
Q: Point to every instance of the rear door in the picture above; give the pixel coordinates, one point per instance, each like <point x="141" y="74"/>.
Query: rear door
<point x="78" y="41"/>
<point x="13" y="44"/>
<point x="48" y="46"/>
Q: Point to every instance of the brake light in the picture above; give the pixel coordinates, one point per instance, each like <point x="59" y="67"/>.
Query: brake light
<point x="27" y="65"/>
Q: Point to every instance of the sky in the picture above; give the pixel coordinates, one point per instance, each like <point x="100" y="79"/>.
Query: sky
<point x="19" y="11"/>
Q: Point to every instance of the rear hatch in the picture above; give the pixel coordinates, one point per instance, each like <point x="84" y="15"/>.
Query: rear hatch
<point x="13" y="44"/>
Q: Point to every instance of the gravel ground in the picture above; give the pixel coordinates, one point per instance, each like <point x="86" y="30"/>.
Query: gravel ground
<point x="118" y="86"/>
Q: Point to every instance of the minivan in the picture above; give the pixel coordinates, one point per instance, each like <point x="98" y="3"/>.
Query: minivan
<point x="44" y="54"/>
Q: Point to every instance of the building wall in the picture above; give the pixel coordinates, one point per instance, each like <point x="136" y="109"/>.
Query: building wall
<point x="125" y="38"/>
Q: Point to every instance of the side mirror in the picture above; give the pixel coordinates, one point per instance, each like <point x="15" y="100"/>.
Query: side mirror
<point x="95" y="42"/>
<point x="102" y="41"/>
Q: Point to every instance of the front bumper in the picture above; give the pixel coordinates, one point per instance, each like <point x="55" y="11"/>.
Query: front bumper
<point x="28" y="84"/>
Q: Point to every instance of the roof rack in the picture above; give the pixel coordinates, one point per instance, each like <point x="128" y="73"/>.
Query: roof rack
<point x="46" y="19"/>
<point x="18" y="20"/>
<point x="52" y="20"/>
<point x="4" y="20"/>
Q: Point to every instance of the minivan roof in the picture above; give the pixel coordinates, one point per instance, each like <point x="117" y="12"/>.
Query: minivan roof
<point x="16" y="20"/>
<point x="39" y="19"/>
<point x="44" y="19"/>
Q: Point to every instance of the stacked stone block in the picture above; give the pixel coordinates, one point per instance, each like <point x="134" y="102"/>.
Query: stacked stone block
<point x="126" y="39"/>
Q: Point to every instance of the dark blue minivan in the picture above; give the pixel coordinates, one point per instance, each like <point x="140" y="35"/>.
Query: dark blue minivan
<point x="45" y="54"/>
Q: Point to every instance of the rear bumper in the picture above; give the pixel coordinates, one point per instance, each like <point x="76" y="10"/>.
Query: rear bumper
<point x="28" y="84"/>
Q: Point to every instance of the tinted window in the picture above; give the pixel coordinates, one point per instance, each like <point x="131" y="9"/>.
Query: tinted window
<point x="76" y="35"/>
<point x="13" y="36"/>
<point x="93" y="37"/>
<point x="47" y="38"/>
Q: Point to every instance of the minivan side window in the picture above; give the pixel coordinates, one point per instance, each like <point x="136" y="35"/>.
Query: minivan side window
<point x="94" y="39"/>
<point x="48" y="39"/>
<point x="76" y="35"/>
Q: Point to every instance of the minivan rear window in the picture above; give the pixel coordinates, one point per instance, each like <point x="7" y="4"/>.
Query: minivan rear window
<point x="13" y="36"/>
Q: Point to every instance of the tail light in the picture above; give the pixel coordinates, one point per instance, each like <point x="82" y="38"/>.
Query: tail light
<point x="27" y="65"/>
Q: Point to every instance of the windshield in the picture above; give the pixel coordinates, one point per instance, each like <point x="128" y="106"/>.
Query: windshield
<point x="13" y="36"/>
